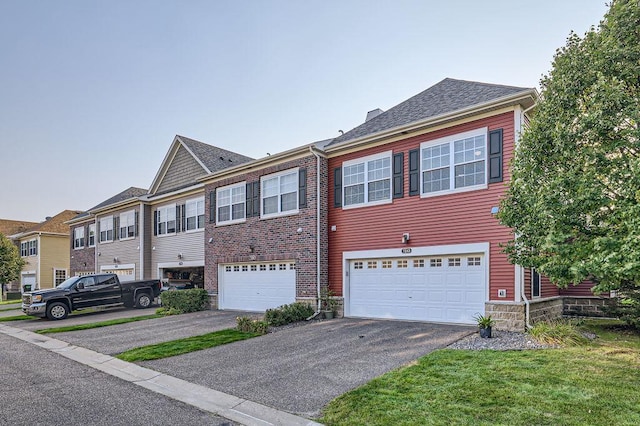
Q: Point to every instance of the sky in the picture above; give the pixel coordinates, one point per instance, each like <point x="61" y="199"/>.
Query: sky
<point x="92" y="93"/>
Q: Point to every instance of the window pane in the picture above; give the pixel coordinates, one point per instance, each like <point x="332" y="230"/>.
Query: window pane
<point x="270" y="205"/>
<point x="238" y="211"/>
<point x="224" y="213"/>
<point x="288" y="183"/>
<point x="353" y="174"/>
<point x="224" y="197"/>
<point x="379" y="169"/>
<point x="469" y="174"/>
<point x="171" y="224"/>
<point x="380" y="190"/>
<point x="289" y="201"/>
<point x="238" y="195"/>
<point x="353" y="194"/>
<point x="270" y="187"/>
<point x="436" y="180"/>
<point x="191" y="223"/>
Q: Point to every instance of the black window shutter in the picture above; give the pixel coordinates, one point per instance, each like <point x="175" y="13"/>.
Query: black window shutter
<point x="414" y="172"/>
<point x="337" y="187"/>
<point x="302" y="188"/>
<point x="155" y="222"/>
<point x="398" y="175"/>
<point x="249" y="200"/>
<point x="256" y="199"/>
<point x="135" y="224"/>
<point x="212" y="206"/>
<point x="116" y="228"/>
<point x="495" y="156"/>
<point x="183" y="217"/>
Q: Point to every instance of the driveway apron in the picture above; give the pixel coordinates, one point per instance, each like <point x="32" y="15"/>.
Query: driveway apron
<point x="301" y="369"/>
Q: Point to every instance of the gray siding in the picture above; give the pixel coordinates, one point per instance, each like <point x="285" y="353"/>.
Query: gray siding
<point x="184" y="170"/>
<point x="148" y="235"/>
<point x="190" y="244"/>
<point x="127" y="251"/>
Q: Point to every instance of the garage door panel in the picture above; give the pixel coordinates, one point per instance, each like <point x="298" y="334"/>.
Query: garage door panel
<point x="257" y="287"/>
<point x="439" y="288"/>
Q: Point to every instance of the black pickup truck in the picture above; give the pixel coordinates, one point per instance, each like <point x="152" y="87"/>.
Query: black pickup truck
<point x="88" y="291"/>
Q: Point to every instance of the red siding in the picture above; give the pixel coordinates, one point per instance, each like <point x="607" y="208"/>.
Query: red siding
<point x="448" y="219"/>
<point x="582" y="289"/>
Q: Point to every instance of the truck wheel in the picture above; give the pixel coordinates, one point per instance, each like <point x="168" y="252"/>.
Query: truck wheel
<point x="57" y="311"/>
<point x="143" y="300"/>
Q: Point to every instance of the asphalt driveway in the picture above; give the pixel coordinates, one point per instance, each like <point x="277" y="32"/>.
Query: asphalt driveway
<point x="301" y="369"/>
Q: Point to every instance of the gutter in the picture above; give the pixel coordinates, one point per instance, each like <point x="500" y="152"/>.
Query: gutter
<point x="318" y="210"/>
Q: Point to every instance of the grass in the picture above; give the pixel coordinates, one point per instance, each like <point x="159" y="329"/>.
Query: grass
<point x="595" y="384"/>
<point x="186" y="345"/>
<point x="17" y="318"/>
<point x="97" y="324"/>
<point x="10" y="309"/>
<point x="10" y="302"/>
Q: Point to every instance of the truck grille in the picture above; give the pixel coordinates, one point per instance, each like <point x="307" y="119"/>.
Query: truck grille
<point x="26" y="299"/>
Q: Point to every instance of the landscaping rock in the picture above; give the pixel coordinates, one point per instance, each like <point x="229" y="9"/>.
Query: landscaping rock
<point x="501" y="341"/>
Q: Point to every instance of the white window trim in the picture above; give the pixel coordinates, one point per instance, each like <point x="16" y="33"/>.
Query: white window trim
<point x="230" y="188"/>
<point x="450" y="139"/>
<point x="365" y="160"/>
<point x="110" y="219"/>
<point x="128" y="212"/>
<point x="186" y="218"/>
<point x="95" y="236"/>
<point x="55" y="270"/>
<point x="295" y="171"/>
<point x="167" y="234"/>
<point x="79" y="228"/>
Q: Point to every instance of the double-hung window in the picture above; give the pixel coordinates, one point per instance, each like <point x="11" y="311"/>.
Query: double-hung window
<point x="24" y="249"/>
<point x="367" y="180"/>
<point x="29" y="248"/>
<point x="92" y="235"/>
<point x="127" y="225"/>
<point x="454" y="163"/>
<point x="231" y="204"/>
<point x="78" y="237"/>
<point x="166" y="220"/>
<point x="194" y="214"/>
<point x="279" y="193"/>
<point x="106" y="229"/>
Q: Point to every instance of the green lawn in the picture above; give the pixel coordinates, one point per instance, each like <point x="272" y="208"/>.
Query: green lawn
<point x="10" y="309"/>
<point x="19" y="317"/>
<point x="186" y="345"/>
<point x="97" y="324"/>
<point x="10" y="302"/>
<point x="596" y="384"/>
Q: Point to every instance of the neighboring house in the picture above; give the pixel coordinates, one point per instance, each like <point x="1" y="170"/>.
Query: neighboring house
<point x="266" y="231"/>
<point x="155" y="233"/>
<point x="45" y="249"/>
<point x="12" y="227"/>
<point x="414" y="192"/>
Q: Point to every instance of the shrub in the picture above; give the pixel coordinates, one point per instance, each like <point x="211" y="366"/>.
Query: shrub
<point x="559" y="332"/>
<point x="168" y="311"/>
<point x="184" y="301"/>
<point x="252" y="325"/>
<point x="627" y="305"/>
<point x="286" y="314"/>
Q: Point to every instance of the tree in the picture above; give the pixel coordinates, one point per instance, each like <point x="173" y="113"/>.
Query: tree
<point x="10" y="261"/>
<point x="574" y="197"/>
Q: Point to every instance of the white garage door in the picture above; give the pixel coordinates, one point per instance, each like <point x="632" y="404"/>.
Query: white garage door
<point x="257" y="286"/>
<point x="436" y="288"/>
<point x="29" y="280"/>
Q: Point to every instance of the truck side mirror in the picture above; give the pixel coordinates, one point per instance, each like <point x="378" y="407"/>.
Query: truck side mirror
<point x="80" y="286"/>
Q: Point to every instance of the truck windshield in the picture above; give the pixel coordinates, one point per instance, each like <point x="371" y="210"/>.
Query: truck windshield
<point x="68" y="283"/>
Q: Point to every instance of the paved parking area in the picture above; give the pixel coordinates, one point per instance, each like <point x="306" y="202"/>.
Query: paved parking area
<point x="119" y="338"/>
<point x="301" y="369"/>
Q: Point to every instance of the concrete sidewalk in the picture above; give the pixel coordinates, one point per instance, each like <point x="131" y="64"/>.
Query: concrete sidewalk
<point x="228" y="406"/>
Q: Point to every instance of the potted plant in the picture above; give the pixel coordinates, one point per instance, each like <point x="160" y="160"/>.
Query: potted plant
<point x="484" y="325"/>
<point x="328" y="304"/>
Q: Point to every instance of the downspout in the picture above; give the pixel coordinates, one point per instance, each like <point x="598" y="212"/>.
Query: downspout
<point x="318" y="254"/>
<point x="525" y="300"/>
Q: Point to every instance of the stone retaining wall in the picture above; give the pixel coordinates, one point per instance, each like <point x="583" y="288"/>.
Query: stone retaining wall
<point x="585" y="306"/>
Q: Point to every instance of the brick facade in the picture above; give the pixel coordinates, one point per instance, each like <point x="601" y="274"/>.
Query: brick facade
<point x="290" y="237"/>
<point x="82" y="260"/>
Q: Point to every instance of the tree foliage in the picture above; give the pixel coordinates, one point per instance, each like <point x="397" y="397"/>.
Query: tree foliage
<point x="10" y="261"/>
<point x="574" y="197"/>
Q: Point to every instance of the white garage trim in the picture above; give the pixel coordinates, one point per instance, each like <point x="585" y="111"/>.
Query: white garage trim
<point x="412" y="252"/>
<point x="256" y="286"/>
<point x="181" y="264"/>
<point x="125" y="271"/>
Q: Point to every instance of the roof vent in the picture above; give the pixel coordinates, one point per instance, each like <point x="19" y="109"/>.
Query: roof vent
<point x="373" y="114"/>
<point x="48" y="218"/>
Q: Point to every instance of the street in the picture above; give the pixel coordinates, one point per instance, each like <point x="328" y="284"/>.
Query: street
<point x="40" y="387"/>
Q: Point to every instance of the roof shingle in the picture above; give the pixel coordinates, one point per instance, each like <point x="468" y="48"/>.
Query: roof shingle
<point x="213" y="157"/>
<point x="447" y="96"/>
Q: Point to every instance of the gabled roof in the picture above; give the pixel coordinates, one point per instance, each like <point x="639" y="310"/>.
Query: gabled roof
<point x="445" y="97"/>
<point x="214" y="158"/>
<point x="53" y="225"/>
<point x="131" y="193"/>
<point x="210" y="158"/>
<point x="11" y="227"/>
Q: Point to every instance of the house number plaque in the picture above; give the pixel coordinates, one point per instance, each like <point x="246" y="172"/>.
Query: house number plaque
<point x="406" y="250"/>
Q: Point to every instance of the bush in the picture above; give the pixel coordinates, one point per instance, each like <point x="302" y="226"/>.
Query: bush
<point x="627" y="305"/>
<point x="286" y="314"/>
<point x="168" y="311"/>
<point x="251" y="325"/>
<point x="185" y="301"/>
<point x="560" y="332"/>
